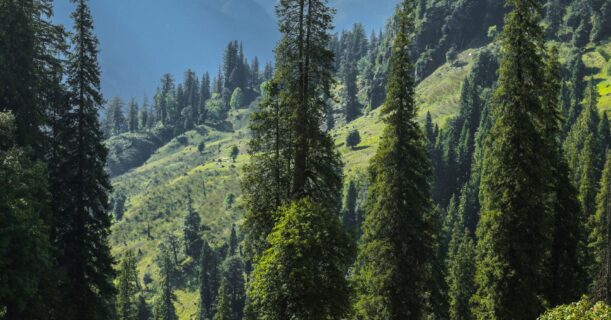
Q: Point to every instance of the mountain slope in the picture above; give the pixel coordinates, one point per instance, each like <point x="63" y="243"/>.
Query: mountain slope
<point x="156" y="191"/>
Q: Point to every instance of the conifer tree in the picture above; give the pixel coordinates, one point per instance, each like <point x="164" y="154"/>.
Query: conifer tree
<point x="82" y="220"/>
<point x="192" y="227"/>
<point x="232" y="293"/>
<point x="164" y="303"/>
<point x="223" y="305"/>
<point x="398" y="246"/>
<point x="25" y="246"/>
<point x="18" y="70"/>
<point x="144" y="312"/>
<point x="132" y="116"/>
<point x="291" y="156"/>
<point x="515" y="225"/>
<point x="566" y="281"/>
<point x="302" y="274"/>
<point x="208" y="282"/>
<point x="600" y="239"/>
<point x="461" y="273"/>
<point x="352" y="107"/>
<point x="233" y="242"/>
<point x="127" y="288"/>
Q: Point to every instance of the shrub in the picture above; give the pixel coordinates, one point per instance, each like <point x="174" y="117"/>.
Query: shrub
<point x="201" y="147"/>
<point x="583" y="310"/>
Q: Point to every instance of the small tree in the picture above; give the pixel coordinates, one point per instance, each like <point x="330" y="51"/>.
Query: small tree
<point x="353" y="139"/>
<point x="234" y="152"/>
<point x="237" y="99"/>
<point x="201" y="147"/>
<point x="451" y="55"/>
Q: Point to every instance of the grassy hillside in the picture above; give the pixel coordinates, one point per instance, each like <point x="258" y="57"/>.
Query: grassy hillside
<point x="156" y="191"/>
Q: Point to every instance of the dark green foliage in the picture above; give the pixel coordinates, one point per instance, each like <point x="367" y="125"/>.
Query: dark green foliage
<point x="208" y="282"/>
<point x="132" y="116"/>
<point x="24" y="236"/>
<point x="353" y="139"/>
<point x="233" y="153"/>
<point x="566" y="282"/>
<point x="82" y="219"/>
<point x="232" y="293"/>
<point x="600" y="240"/>
<point x="127" y="288"/>
<point x="233" y="242"/>
<point x="352" y="107"/>
<point x="461" y="273"/>
<point x="115" y="122"/>
<point x="19" y="43"/>
<point x="302" y="274"/>
<point x="350" y="218"/>
<point x="291" y="157"/>
<point x="398" y="247"/>
<point x="144" y="311"/>
<point x="164" y="302"/>
<point x="515" y="217"/>
<point x="119" y="206"/>
<point x="192" y="229"/>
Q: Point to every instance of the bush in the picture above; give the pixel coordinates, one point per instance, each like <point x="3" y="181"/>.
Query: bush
<point x="353" y="139"/>
<point x="201" y="147"/>
<point x="183" y="140"/>
<point x="583" y="310"/>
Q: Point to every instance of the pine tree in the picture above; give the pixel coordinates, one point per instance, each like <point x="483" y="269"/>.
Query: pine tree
<point x="223" y="306"/>
<point x="18" y="77"/>
<point x="164" y="303"/>
<point x="514" y="228"/>
<point x="192" y="228"/>
<point x="115" y="118"/>
<point x="208" y="282"/>
<point x="132" y="116"/>
<point x="352" y="107"/>
<point x="302" y="274"/>
<point x="25" y="246"/>
<point x="232" y="293"/>
<point x="291" y="156"/>
<point x="461" y="273"/>
<point x="566" y="273"/>
<point x="398" y="246"/>
<point x="600" y="239"/>
<point x="144" y="312"/>
<point x="233" y="242"/>
<point x="82" y="219"/>
<point x="127" y="288"/>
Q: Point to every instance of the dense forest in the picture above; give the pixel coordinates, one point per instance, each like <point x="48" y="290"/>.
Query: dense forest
<point x="453" y="165"/>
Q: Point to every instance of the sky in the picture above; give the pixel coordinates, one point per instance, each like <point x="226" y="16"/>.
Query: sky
<point x="140" y="40"/>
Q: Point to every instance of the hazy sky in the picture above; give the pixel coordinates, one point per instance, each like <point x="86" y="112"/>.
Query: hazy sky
<point x="140" y="40"/>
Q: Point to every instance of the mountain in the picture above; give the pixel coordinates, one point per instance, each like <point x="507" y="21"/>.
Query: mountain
<point x="140" y="40"/>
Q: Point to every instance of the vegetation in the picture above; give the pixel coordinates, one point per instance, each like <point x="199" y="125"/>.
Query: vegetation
<point x="243" y="195"/>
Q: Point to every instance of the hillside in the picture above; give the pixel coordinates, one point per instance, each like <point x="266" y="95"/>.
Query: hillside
<point x="156" y="191"/>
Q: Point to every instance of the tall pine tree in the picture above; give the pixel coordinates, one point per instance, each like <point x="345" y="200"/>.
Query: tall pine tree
<point x="400" y="230"/>
<point x="601" y="239"/>
<point x="514" y="228"/>
<point x="82" y="222"/>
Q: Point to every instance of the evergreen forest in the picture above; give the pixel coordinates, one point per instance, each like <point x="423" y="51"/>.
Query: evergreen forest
<point x="452" y="165"/>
